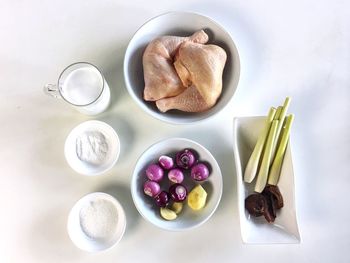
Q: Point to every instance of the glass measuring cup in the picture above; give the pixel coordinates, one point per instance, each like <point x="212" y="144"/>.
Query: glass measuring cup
<point x="83" y="86"/>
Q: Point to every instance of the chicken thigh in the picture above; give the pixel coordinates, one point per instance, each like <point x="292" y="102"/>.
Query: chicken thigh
<point x="190" y="100"/>
<point x="161" y="79"/>
<point x="200" y="68"/>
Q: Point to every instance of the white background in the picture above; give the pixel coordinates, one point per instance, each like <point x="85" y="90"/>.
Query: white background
<point x="297" y="48"/>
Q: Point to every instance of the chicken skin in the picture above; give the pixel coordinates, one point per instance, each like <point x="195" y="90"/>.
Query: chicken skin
<point x="200" y="69"/>
<point x="161" y="79"/>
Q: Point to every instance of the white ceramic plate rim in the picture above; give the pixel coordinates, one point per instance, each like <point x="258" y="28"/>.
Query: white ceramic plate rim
<point x="294" y="238"/>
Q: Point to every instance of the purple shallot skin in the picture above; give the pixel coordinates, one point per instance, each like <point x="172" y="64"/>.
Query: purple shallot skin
<point x="185" y="159"/>
<point x="178" y="192"/>
<point x="199" y="172"/>
<point x="176" y="175"/>
<point x="154" y="172"/>
<point x="166" y="162"/>
<point x="151" y="188"/>
<point x="162" y="199"/>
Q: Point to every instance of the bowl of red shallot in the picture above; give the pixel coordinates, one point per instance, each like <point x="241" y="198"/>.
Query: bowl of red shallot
<point x="176" y="184"/>
<point x="181" y="67"/>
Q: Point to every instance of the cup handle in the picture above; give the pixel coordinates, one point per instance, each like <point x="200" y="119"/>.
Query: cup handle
<point x="52" y="90"/>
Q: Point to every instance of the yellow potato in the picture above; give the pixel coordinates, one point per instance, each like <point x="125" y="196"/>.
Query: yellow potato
<point x="197" y="198"/>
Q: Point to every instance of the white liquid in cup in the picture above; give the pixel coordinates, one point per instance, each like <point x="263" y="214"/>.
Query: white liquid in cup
<point x="82" y="86"/>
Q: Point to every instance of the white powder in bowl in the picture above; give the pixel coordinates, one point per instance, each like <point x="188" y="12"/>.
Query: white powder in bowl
<point x="92" y="147"/>
<point x="99" y="219"/>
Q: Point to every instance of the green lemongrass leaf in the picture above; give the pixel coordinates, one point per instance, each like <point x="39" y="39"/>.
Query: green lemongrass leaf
<point x="264" y="168"/>
<point x="278" y="113"/>
<point x="252" y="166"/>
<point x="280" y="125"/>
<point x="278" y="160"/>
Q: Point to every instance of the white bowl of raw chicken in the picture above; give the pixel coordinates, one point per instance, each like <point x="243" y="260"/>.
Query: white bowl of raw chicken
<point x="179" y="24"/>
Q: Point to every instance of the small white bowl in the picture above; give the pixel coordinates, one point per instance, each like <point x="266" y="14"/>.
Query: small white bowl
<point x="80" y="239"/>
<point x="86" y="168"/>
<point x="255" y="230"/>
<point x="179" y="24"/>
<point x="188" y="218"/>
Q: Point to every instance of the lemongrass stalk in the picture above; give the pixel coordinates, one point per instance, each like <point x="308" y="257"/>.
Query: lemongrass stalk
<point x="280" y="124"/>
<point x="275" y="170"/>
<point x="278" y="113"/>
<point x="252" y="166"/>
<point x="264" y="168"/>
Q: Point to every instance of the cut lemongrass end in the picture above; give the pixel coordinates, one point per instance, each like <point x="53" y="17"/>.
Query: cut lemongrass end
<point x="278" y="161"/>
<point x="281" y="118"/>
<point x="264" y="168"/>
<point x="252" y="166"/>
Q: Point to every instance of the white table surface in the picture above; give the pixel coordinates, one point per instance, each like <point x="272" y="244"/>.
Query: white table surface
<point x="296" y="48"/>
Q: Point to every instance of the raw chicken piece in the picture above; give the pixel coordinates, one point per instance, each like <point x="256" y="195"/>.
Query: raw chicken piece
<point x="161" y="79"/>
<point x="190" y="100"/>
<point x="200" y="67"/>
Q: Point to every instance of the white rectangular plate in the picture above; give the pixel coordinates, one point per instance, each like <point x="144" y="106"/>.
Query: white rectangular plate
<point x="256" y="230"/>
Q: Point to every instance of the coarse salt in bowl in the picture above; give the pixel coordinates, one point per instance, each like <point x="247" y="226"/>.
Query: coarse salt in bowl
<point x="96" y="222"/>
<point x="78" y="147"/>
<point x="179" y="24"/>
<point x="188" y="218"/>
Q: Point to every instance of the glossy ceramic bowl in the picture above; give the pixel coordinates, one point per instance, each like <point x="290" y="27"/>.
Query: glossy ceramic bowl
<point x="179" y="24"/>
<point x="76" y="233"/>
<point x="87" y="168"/>
<point x="188" y="218"/>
